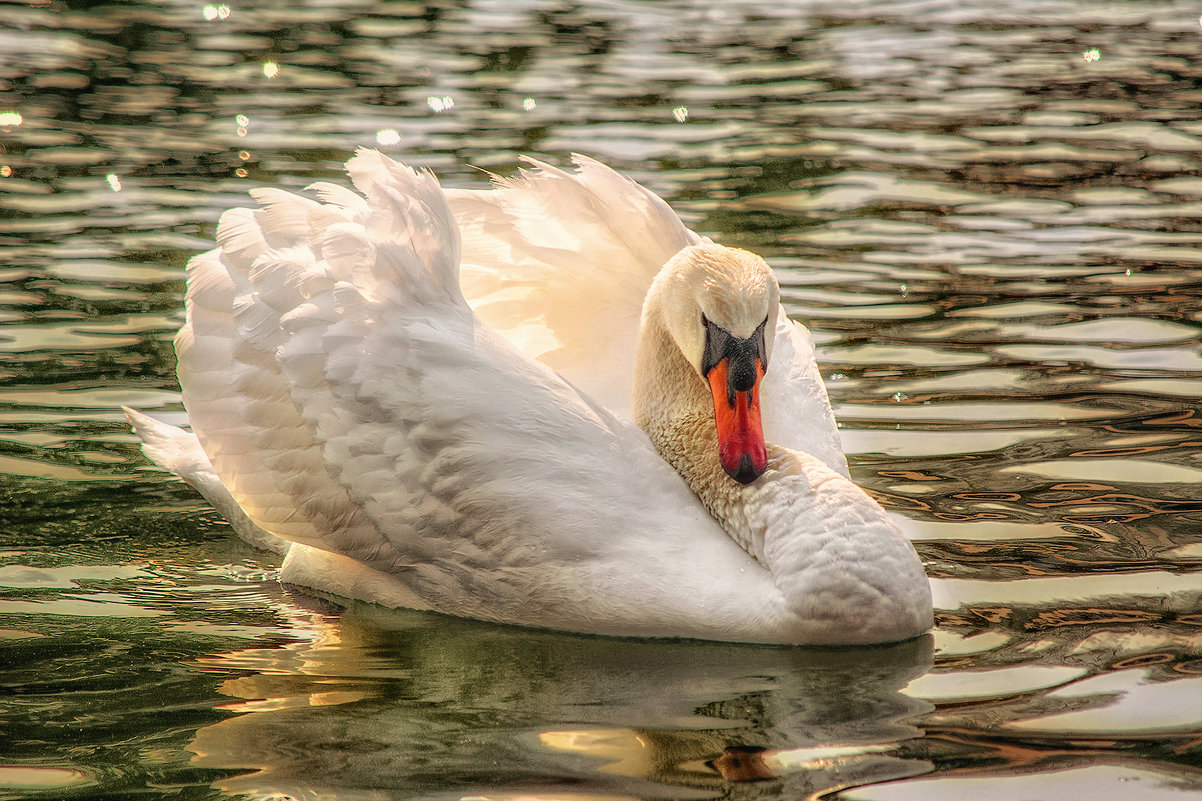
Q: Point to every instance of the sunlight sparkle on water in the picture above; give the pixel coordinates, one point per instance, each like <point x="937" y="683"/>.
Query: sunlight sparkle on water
<point x="10" y="118"/>
<point x="529" y="105"/>
<point x="5" y="171"/>
<point x="1091" y="55"/>
<point x="440" y="104"/>
<point x="388" y="136"/>
<point x="681" y="113"/>
<point x="114" y="181"/>
<point x="215" y="12"/>
<point x="270" y="69"/>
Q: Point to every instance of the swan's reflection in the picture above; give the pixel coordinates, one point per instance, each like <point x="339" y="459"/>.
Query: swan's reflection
<point x="380" y="704"/>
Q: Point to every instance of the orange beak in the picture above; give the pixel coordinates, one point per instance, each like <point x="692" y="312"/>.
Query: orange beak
<point x="737" y="416"/>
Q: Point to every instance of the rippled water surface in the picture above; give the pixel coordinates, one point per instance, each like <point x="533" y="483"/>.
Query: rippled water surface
<point x="988" y="214"/>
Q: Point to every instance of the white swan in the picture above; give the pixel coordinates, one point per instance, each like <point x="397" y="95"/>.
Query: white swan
<point x="405" y="448"/>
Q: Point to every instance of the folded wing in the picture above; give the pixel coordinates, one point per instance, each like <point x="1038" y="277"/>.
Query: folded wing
<point x="350" y="400"/>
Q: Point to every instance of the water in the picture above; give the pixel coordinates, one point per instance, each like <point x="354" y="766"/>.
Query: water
<point x="988" y="214"/>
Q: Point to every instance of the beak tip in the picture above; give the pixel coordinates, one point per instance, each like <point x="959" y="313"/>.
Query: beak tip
<point x="745" y="471"/>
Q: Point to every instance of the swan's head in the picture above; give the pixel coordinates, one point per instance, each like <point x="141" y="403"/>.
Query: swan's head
<point x="720" y="305"/>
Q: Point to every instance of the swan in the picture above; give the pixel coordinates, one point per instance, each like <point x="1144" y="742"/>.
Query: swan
<point x="547" y="403"/>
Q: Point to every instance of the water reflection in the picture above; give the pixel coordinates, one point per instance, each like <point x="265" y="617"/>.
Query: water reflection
<point x="400" y="704"/>
<point x="380" y="704"/>
<point x="1044" y="675"/>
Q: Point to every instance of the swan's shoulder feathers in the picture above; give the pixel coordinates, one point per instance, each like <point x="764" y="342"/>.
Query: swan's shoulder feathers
<point x="560" y="262"/>
<point x="350" y="400"/>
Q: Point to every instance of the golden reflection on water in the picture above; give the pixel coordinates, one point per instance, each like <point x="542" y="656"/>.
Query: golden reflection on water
<point x="702" y="704"/>
<point x="1104" y="683"/>
<point x="41" y="779"/>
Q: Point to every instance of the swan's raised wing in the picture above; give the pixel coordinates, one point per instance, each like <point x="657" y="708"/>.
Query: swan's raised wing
<point x="350" y="400"/>
<point x="795" y="408"/>
<point x="559" y="262"/>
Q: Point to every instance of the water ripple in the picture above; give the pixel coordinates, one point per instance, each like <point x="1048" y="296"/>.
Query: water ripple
<point x="986" y="213"/>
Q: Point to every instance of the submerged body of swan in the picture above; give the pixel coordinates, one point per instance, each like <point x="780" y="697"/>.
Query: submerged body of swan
<point x="483" y="403"/>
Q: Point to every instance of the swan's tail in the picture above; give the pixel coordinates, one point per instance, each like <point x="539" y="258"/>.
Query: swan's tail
<point x="179" y="452"/>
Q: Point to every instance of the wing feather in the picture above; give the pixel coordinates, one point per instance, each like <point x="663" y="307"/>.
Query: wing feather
<point x="793" y="382"/>
<point x="559" y="262"/>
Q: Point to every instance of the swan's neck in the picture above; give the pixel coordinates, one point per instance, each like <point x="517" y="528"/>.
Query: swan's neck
<point x="673" y="404"/>
<point x="844" y="571"/>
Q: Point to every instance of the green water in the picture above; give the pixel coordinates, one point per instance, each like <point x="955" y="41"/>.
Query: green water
<point x="989" y="214"/>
